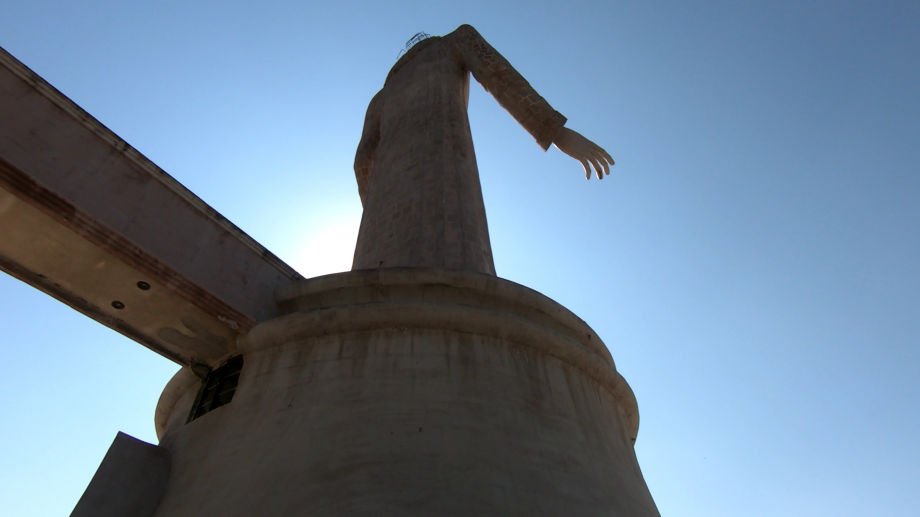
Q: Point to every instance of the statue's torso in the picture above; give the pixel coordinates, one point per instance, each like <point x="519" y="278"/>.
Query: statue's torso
<point x="424" y="204"/>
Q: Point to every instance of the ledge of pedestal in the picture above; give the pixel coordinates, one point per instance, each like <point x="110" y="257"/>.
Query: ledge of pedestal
<point x="407" y="298"/>
<point x="426" y="299"/>
<point x="438" y="286"/>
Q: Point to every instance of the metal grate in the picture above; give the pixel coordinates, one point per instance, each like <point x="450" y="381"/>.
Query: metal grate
<point x="418" y="36"/>
<point x="218" y="387"/>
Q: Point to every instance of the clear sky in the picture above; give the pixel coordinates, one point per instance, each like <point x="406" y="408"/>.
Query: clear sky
<point x="752" y="263"/>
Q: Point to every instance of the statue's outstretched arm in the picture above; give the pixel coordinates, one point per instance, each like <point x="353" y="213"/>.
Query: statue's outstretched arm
<point x="516" y="95"/>
<point x="367" y="147"/>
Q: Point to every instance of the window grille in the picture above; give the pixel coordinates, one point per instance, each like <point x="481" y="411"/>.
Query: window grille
<point x="218" y="387"/>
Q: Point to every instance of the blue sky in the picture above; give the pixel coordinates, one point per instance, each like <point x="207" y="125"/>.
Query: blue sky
<point x="751" y="262"/>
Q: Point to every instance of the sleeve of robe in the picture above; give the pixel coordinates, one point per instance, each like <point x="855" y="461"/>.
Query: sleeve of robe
<point x="508" y="87"/>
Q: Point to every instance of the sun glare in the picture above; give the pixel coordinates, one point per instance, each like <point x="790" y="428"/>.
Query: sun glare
<point x="327" y="248"/>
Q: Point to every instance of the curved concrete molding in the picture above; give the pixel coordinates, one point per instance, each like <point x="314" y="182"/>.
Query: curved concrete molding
<point x="369" y="300"/>
<point x="183" y="383"/>
<point x="460" y="287"/>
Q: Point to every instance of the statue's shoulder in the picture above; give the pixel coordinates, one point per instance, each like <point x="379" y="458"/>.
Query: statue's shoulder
<point x="465" y="31"/>
<point x="465" y="39"/>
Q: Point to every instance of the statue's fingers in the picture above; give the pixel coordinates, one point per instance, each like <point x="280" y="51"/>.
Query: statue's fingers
<point x="597" y="168"/>
<point x="584" y="163"/>
<point x="602" y="160"/>
<point x="606" y="166"/>
<point x="603" y="155"/>
<point x="609" y="158"/>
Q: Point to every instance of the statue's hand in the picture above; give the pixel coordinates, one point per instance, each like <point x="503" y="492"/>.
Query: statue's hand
<point x="587" y="152"/>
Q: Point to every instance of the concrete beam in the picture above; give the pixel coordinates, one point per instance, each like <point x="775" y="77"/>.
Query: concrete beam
<point x="89" y="220"/>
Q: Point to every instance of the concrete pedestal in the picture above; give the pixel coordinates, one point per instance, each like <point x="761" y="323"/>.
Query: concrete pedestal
<point x="410" y="392"/>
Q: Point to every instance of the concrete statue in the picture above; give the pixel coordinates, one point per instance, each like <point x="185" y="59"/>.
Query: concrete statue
<point x="415" y="164"/>
<point x="420" y="383"/>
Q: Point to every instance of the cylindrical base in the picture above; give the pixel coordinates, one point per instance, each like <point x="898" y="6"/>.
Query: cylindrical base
<point x="411" y="393"/>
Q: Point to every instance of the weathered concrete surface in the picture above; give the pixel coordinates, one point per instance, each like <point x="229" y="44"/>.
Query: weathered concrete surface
<point x="129" y="482"/>
<point x="85" y="217"/>
<point x="400" y="392"/>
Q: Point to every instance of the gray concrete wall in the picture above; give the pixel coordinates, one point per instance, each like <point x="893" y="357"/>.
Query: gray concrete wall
<point x="129" y="482"/>
<point x="344" y="408"/>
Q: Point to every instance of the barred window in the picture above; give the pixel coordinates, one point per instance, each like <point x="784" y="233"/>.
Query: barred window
<point x="218" y="387"/>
